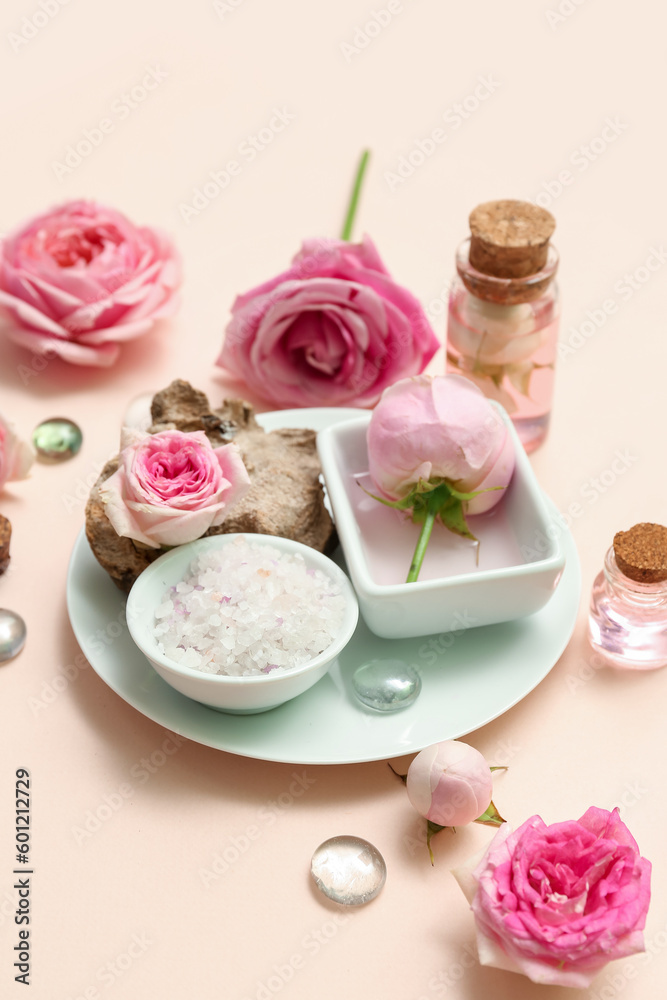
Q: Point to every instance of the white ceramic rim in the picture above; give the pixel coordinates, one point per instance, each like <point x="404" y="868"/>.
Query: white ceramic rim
<point x="358" y="567"/>
<point x="323" y="562"/>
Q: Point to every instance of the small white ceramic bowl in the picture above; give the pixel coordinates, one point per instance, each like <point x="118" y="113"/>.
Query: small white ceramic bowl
<point x="238" y="695"/>
<point x="520" y="558"/>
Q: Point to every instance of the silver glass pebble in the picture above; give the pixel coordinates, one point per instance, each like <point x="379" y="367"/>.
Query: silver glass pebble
<point x="348" y="870"/>
<point x="57" y="439"/>
<point x="386" y="685"/>
<point x="12" y="634"/>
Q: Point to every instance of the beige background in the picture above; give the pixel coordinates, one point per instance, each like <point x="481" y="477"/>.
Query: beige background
<point x="584" y="736"/>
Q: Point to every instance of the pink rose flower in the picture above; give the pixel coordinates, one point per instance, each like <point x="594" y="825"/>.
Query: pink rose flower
<point x="333" y="330"/>
<point x="81" y="278"/>
<point x="16" y="456"/>
<point x="170" y="488"/>
<point x="450" y="783"/>
<point x="557" y="903"/>
<point x="439" y="427"/>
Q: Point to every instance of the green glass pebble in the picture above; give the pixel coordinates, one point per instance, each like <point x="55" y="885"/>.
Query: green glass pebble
<point x="57" y="439"/>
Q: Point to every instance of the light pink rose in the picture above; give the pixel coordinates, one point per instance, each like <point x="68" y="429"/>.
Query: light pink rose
<point x="557" y="903"/>
<point x="333" y="330"/>
<point x="450" y="783"/>
<point x="16" y="456"/>
<point x="82" y="277"/>
<point x="439" y="427"/>
<point x="170" y="488"/>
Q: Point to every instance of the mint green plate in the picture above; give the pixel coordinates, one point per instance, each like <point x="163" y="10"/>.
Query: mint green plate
<point x="467" y="679"/>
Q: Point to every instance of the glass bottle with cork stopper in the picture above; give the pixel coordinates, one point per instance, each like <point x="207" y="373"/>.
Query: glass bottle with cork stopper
<point x="502" y="328"/>
<point x="627" y="623"/>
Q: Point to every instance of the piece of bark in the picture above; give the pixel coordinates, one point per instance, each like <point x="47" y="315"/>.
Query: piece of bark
<point x="5" y="539"/>
<point x="285" y="497"/>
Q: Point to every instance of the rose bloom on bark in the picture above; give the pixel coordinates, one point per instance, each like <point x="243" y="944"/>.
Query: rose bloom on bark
<point x="16" y="456"/>
<point x="439" y="427"/>
<point x="81" y="278"/>
<point x="450" y="783"/>
<point x="333" y="330"/>
<point x="558" y="902"/>
<point x="171" y="487"/>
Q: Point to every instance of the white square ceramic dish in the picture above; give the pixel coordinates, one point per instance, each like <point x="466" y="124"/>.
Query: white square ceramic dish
<point x="520" y="558"/>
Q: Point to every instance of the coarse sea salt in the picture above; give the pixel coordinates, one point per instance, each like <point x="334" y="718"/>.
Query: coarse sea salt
<point x="248" y="609"/>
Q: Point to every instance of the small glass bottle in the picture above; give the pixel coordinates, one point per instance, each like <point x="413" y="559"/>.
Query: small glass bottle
<point x="502" y="329"/>
<point x="627" y="623"/>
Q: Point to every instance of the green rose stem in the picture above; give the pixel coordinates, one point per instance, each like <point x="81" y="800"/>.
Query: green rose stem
<point x="354" y="198"/>
<point x="428" y="501"/>
<point x="430" y="514"/>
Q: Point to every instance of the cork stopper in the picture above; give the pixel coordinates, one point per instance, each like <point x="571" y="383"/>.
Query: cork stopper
<point x="510" y="239"/>
<point x="5" y="538"/>
<point x="641" y="552"/>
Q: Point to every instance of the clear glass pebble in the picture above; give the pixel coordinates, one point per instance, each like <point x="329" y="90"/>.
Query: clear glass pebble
<point x="57" y="439"/>
<point x="12" y="634"/>
<point x="387" y="685"/>
<point x="348" y="870"/>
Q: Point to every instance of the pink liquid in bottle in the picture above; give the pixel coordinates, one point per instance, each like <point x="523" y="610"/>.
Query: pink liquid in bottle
<point x="627" y="622"/>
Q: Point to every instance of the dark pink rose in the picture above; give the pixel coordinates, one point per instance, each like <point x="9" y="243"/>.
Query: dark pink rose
<point x="171" y="487"/>
<point x="81" y="278"/>
<point x="557" y="903"/>
<point x="333" y="330"/>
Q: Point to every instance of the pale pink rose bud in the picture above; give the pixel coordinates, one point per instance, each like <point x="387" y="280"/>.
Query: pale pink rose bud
<point x="439" y="427"/>
<point x="16" y="456"/>
<point x="450" y="783"/>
